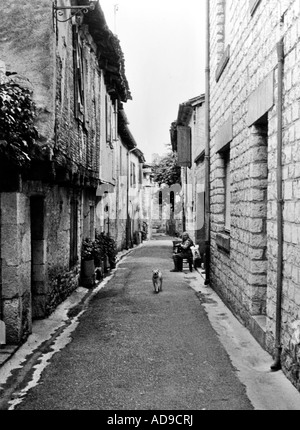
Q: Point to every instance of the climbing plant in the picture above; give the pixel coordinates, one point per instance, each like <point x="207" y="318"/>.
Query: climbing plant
<point x="17" y="131"/>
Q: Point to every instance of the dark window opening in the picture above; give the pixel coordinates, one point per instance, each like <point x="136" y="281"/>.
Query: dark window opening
<point x="160" y="204"/>
<point x="79" y="76"/>
<point x="73" y="233"/>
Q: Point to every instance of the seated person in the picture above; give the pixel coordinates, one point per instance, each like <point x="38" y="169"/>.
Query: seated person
<point x="183" y="251"/>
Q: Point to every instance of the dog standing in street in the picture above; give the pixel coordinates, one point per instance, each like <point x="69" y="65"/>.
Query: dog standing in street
<point x="157" y="280"/>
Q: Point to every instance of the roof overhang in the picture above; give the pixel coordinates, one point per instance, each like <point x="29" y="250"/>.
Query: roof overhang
<point x="109" y="53"/>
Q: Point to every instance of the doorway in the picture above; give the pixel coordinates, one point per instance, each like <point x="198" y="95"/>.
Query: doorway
<point x="38" y="257"/>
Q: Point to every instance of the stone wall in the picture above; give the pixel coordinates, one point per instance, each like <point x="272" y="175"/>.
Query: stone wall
<point x="51" y="278"/>
<point x="243" y="118"/>
<point x="27" y="48"/>
<point x="16" y="265"/>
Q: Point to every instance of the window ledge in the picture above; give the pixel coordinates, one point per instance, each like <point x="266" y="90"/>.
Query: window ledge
<point x="253" y="6"/>
<point x="223" y="242"/>
<point x="223" y="63"/>
<point x="200" y="158"/>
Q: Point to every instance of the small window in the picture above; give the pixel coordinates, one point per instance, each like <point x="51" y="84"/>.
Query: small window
<point x="141" y="173"/>
<point x="79" y="76"/>
<point x="132" y="175"/>
<point x="223" y="237"/>
<point x="108" y="119"/>
<point x="172" y="202"/>
<point x="226" y="39"/>
<point x="227" y="190"/>
<point x="160" y="202"/>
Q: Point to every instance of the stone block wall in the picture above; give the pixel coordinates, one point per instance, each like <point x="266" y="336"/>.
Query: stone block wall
<point x="27" y="48"/>
<point x="61" y="279"/>
<point x="244" y="88"/>
<point x="16" y="266"/>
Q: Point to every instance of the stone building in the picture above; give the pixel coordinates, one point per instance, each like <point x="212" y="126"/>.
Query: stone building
<point x="255" y="169"/>
<point x="75" y="68"/>
<point x="148" y="187"/>
<point x="166" y="209"/>
<point x="131" y="162"/>
<point x="120" y="200"/>
<point x="188" y="140"/>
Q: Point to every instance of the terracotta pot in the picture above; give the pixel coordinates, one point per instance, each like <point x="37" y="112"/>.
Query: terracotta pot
<point x="87" y="273"/>
<point x="88" y="268"/>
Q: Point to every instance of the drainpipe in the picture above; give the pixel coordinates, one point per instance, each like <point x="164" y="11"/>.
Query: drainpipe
<point x="277" y="363"/>
<point x="207" y="148"/>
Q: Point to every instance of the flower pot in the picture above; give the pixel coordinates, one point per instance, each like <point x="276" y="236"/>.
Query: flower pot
<point x="87" y="273"/>
<point x="112" y="263"/>
<point x="88" y="267"/>
<point x="105" y="264"/>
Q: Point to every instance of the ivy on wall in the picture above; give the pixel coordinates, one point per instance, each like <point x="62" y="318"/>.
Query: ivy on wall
<point x="17" y="131"/>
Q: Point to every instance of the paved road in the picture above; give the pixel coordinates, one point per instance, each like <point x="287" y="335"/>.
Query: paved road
<point x="135" y="350"/>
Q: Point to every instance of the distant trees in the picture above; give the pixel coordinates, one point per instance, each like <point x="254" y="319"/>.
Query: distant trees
<point x="166" y="170"/>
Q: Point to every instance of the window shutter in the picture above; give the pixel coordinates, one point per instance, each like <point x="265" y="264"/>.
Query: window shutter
<point x="78" y="76"/>
<point x="184" y="146"/>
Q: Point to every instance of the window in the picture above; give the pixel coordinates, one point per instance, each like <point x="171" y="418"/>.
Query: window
<point x="108" y="119"/>
<point x="227" y="190"/>
<point x="253" y="6"/>
<point x="79" y="76"/>
<point x="160" y="202"/>
<point x="223" y="238"/>
<point x="140" y="173"/>
<point x="115" y="122"/>
<point x="172" y="203"/>
<point x="132" y="175"/>
<point x="73" y="232"/>
<point x="226" y="39"/>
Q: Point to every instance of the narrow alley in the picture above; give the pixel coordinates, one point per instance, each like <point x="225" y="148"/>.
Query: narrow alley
<point x="131" y="349"/>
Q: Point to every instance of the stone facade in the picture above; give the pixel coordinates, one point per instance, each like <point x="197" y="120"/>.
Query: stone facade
<point x="244" y="118"/>
<point x="148" y="186"/>
<point x="191" y="116"/>
<point x="47" y="211"/>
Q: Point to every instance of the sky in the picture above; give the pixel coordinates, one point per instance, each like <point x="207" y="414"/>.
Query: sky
<point x="163" y="42"/>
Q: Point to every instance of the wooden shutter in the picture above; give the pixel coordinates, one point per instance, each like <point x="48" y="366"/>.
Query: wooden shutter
<point x="184" y="146"/>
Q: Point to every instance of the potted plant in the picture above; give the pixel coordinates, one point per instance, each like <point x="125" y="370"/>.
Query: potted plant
<point x="111" y="251"/>
<point x="99" y="255"/>
<point x="105" y="251"/>
<point x="87" y="262"/>
<point x="99" y="249"/>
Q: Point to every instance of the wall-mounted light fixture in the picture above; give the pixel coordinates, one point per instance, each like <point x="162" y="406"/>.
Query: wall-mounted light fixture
<point x="76" y="11"/>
